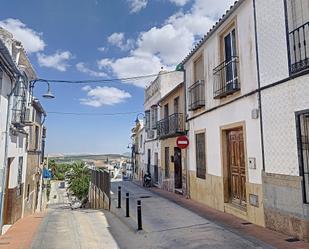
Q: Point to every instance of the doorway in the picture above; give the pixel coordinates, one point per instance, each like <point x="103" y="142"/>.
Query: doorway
<point x="6" y="208"/>
<point x="236" y="167"/>
<point x="177" y="168"/>
<point x="148" y="160"/>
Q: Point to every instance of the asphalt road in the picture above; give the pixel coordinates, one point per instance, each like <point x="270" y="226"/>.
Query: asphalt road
<point x="165" y="225"/>
<point x="63" y="228"/>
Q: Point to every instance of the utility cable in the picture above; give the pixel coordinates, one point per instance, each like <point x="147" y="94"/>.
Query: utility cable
<point x="104" y="80"/>
<point x="91" y="114"/>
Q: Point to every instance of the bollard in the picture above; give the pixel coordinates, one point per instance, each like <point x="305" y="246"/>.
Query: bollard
<point x="139" y="215"/>
<point x="119" y="197"/>
<point x="127" y="205"/>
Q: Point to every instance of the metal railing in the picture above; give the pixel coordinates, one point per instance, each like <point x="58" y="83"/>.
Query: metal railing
<point x="150" y="134"/>
<point x="197" y="95"/>
<point x="171" y="126"/>
<point x="226" y="80"/>
<point x="299" y="48"/>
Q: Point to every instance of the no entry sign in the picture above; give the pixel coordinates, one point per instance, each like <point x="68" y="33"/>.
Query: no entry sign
<point x="182" y="142"/>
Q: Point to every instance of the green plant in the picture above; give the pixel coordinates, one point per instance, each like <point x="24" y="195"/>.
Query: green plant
<point x="78" y="179"/>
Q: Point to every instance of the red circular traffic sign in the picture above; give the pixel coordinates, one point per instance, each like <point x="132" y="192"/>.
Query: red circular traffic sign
<point x="182" y="142"/>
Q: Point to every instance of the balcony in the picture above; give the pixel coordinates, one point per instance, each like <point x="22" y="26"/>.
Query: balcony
<point x="299" y="48"/>
<point x="226" y="78"/>
<point x="197" y="95"/>
<point x="171" y="126"/>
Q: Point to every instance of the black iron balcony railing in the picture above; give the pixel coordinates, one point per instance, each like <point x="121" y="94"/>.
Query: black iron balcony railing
<point x="299" y="48"/>
<point x="171" y="126"/>
<point x="226" y="80"/>
<point x="197" y="95"/>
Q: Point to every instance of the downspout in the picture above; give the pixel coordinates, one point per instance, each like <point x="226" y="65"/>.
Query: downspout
<point x="259" y="85"/>
<point x="186" y="151"/>
<point x="5" y="163"/>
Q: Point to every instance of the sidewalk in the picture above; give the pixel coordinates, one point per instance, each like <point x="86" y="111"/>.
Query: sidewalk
<point x="233" y="223"/>
<point x="21" y="233"/>
<point x="169" y="225"/>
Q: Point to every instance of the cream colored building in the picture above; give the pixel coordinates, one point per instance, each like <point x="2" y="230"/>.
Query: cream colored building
<point x="170" y="126"/>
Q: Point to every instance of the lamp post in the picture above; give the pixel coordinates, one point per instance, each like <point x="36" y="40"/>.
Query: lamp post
<point x="19" y="80"/>
<point x="137" y="117"/>
<point x="131" y="146"/>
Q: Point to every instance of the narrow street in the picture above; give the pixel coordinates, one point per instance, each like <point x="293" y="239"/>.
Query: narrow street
<point x="165" y="225"/>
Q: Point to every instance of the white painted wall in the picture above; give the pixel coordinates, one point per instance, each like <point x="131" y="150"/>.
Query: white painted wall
<point x="272" y="43"/>
<point x="279" y="103"/>
<point x="165" y="82"/>
<point x="238" y="111"/>
<point x="279" y="106"/>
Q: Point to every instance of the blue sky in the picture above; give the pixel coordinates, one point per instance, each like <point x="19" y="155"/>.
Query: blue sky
<point x="94" y="39"/>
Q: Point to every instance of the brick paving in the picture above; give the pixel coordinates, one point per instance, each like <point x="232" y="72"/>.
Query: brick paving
<point x="21" y="234"/>
<point x="239" y="226"/>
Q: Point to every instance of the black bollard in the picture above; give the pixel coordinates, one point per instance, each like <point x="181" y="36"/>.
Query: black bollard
<point x="127" y="205"/>
<point x="119" y="197"/>
<point x="139" y="215"/>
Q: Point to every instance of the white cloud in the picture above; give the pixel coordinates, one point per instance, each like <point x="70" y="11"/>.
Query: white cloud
<point x="180" y="2"/>
<point x="100" y="96"/>
<point x="102" y="49"/>
<point x="81" y="66"/>
<point x="58" y="60"/>
<point x="31" y="40"/>
<point x="169" y="44"/>
<point x="137" y="5"/>
<point x="118" y="40"/>
<point x="133" y="66"/>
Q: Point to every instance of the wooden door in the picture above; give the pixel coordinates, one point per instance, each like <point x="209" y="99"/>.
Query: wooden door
<point x="178" y="168"/>
<point x="237" y="168"/>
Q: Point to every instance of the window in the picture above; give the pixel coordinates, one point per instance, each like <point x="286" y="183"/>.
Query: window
<point x="226" y="75"/>
<point x="303" y="148"/>
<point x="298" y="28"/>
<point x="28" y="191"/>
<point x="19" y="175"/>
<point x="200" y="155"/>
<point x="154" y="117"/>
<point x="198" y="69"/>
<point x="176" y="105"/>
<point x="141" y="141"/>
<point x="167" y="162"/>
<point x="147" y="120"/>
<point x="37" y="137"/>
<point x="20" y="170"/>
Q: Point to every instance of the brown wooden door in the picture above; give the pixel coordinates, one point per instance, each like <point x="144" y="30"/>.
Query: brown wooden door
<point x="237" y="168"/>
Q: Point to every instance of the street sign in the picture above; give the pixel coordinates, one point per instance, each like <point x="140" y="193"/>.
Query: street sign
<point x="182" y="142"/>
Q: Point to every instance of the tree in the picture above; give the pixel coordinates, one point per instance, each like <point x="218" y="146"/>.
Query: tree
<point x="78" y="179"/>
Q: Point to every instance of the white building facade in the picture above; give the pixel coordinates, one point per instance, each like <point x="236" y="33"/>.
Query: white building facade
<point x="16" y="73"/>
<point x="283" y="50"/>
<point x="160" y="87"/>
<point x="224" y="156"/>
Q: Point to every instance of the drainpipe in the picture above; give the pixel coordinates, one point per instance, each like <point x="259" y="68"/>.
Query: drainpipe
<point x="186" y="150"/>
<point x="5" y="163"/>
<point x="259" y="85"/>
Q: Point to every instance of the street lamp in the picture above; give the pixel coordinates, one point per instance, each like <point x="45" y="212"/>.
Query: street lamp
<point x="131" y="146"/>
<point x="137" y="119"/>
<point x="48" y="94"/>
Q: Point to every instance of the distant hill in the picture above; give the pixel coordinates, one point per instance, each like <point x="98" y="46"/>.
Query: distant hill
<point x="67" y="158"/>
